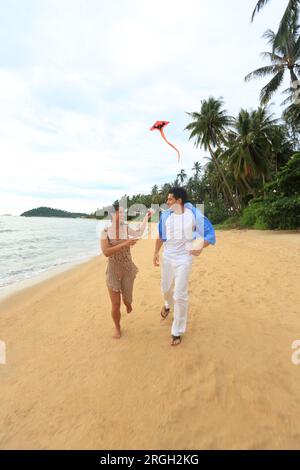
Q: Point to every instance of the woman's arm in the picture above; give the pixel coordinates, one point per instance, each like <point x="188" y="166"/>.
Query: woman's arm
<point x="139" y="232"/>
<point x="108" y="250"/>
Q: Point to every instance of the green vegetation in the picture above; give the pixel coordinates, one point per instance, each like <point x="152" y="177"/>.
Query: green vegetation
<point x="280" y="208"/>
<point x="49" y="212"/>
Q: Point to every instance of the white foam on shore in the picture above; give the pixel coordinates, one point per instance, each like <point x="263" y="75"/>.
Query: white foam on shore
<point x="37" y="278"/>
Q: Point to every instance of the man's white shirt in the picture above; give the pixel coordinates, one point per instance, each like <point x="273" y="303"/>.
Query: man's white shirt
<point x="179" y="236"/>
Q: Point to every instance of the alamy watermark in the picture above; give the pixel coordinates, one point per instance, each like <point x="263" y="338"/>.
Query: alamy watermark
<point x="2" y="352"/>
<point x="137" y="214"/>
<point x="296" y="354"/>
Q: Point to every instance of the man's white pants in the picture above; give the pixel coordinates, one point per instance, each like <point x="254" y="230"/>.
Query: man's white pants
<point x="175" y="278"/>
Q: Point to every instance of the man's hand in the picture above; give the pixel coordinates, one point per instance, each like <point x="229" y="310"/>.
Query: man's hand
<point x="158" y="245"/>
<point x="156" y="259"/>
<point x="196" y="252"/>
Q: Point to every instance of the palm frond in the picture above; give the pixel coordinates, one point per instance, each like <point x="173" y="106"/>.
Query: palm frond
<point x="270" y="36"/>
<point x="259" y="6"/>
<point x="261" y="72"/>
<point x="289" y="22"/>
<point x="287" y="91"/>
<point x="290" y="96"/>
<point x="271" y="87"/>
<point x="273" y="57"/>
<point x="288" y="100"/>
<point x="297" y="48"/>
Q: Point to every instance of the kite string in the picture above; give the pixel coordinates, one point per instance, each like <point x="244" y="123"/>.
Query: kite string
<point x="164" y="137"/>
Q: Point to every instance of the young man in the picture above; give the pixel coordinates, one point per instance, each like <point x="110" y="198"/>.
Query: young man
<point x="184" y="231"/>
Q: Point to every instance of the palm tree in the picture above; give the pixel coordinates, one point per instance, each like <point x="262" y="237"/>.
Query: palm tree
<point x="154" y="190"/>
<point x="251" y="146"/>
<point x="285" y="57"/>
<point x="209" y="128"/>
<point x="197" y="169"/>
<point x="292" y="9"/>
<point x="291" y="116"/>
<point x="181" y="176"/>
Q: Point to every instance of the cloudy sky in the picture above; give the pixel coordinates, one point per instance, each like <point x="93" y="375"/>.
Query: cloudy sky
<point x="82" y="81"/>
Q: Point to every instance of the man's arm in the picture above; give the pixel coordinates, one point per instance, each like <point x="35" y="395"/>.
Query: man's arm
<point x="209" y="234"/>
<point x="198" y="252"/>
<point x="158" y="245"/>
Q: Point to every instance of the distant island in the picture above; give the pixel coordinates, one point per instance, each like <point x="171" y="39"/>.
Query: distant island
<point x="49" y="212"/>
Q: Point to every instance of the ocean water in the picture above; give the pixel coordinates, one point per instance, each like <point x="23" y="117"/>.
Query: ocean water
<point x="30" y="246"/>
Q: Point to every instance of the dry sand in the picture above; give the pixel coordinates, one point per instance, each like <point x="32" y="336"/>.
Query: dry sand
<point x="231" y="384"/>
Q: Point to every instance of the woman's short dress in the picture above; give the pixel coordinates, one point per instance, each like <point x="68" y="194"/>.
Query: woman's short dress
<point x="121" y="271"/>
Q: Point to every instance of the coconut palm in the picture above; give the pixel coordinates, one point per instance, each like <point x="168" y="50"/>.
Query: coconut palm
<point x="251" y="145"/>
<point x="181" y="176"/>
<point x="197" y="169"/>
<point x="154" y="190"/>
<point x="209" y="127"/>
<point x="291" y="116"/>
<point x="292" y="8"/>
<point x="283" y="58"/>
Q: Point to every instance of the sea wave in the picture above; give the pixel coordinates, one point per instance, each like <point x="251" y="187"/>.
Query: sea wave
<point x="5" y="230"/>
<point x="28" y="249"/>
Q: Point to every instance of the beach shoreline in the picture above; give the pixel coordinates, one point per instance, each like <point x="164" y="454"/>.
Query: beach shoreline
<point x="38" y="278"/>
<point x="231" y="384"/>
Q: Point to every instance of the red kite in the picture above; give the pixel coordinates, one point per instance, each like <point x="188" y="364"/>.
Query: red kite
<point x="159" y="125"/>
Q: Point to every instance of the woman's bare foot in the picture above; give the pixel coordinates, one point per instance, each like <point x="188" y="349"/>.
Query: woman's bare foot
<point x="128" y="307"/>
<point x="117" y="334"/>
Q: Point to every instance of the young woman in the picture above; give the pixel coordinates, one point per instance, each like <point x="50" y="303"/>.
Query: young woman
<point x="121" y="270"/>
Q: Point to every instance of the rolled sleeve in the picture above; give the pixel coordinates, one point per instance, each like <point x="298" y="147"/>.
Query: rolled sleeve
<point x="209" y="232"/>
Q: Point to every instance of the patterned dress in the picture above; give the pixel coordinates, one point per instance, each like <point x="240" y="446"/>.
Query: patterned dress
<point x="121" y="270"/>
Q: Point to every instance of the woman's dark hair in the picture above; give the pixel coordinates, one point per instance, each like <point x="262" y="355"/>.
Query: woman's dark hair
<point x="114" y="208"/>
<point x="179" y="193"/>
<point x="116" y="205"/>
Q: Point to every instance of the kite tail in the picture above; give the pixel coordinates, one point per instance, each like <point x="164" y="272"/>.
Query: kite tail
<point x="164" y="137"/>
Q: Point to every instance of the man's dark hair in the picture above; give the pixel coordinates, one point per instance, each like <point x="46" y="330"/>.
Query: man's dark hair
<point x="179" y="193"/>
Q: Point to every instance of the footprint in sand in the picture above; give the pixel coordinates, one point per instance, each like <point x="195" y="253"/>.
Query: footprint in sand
<point x="185" y="392"/>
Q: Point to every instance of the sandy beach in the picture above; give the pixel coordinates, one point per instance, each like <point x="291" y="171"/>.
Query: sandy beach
<point x="231" y="384"/>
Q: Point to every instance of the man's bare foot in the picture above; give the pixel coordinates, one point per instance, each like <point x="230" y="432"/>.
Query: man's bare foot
<point x="117" y="334"/>
<point x="128" y="308"/>
<point x="176" y="340"/>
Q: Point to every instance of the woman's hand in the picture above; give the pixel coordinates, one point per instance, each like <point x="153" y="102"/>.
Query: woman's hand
<point x="148" y="215"/>
<point x="131" y="241"/>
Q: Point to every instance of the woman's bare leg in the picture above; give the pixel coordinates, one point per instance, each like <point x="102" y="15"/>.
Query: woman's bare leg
<point x="127" y="289"/>
<point x="128" y="306"/>
<point x="115" y="298"/>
